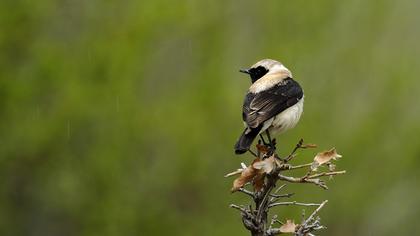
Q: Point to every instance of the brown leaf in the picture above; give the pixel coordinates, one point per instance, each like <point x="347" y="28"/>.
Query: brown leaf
<point x="258" y="182"/>
<point x="262" y="148"/>
<point x="247" y="175"/>
<point x="266" y="166"/>
<point x="255" y="173"/>
<point x="288" y="227"/>
<point x="324" y="157"/>
<point x="263" y="167"/>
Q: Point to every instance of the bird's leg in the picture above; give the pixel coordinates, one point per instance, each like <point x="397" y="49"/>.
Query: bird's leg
<point x="262" y="139"/>
<point x="253" y="153"/>
<point x="271" y="141"/>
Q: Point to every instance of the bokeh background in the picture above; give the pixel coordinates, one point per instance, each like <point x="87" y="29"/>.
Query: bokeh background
<point x="119" y="117"/>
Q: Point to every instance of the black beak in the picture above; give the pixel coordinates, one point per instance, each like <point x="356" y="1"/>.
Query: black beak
<point x="246" y="71"/>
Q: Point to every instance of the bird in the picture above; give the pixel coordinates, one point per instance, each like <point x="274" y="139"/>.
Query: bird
<point x="272" y="105"/>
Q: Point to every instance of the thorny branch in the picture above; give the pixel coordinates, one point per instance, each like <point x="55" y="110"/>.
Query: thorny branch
<point x="263" y="175"/>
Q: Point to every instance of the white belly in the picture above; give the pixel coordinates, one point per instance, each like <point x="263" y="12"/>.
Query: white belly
<point x="285" y="120"/>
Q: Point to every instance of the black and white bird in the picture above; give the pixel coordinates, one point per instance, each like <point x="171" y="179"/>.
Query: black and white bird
<point x="273" y="104"/>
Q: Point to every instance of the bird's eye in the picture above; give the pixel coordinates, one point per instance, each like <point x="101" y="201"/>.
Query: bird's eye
<point x="260" y="69"/>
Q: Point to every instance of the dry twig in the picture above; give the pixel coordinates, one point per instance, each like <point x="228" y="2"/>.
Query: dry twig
<point x="264" y="173"/>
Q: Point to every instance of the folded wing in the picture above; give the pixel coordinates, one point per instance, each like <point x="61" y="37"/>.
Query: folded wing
<point x="261" y="106"/>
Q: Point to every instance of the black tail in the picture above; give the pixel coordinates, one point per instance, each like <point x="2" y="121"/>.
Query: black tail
<point x="246" y="139"/>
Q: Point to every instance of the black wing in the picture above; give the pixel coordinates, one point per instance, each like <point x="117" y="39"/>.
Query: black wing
<point x="264" y="105"/>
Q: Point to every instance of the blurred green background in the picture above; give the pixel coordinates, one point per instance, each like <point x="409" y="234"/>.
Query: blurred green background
<point x="119" y="117"/>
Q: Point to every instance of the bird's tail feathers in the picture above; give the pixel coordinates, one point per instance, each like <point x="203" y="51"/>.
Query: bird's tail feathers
<point x="246" y="139"/>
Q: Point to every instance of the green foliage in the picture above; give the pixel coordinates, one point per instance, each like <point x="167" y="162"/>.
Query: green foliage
<point x="119" y="117"/>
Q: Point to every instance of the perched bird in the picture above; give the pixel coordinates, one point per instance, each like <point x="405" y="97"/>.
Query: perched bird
<point x="273" y="104"/>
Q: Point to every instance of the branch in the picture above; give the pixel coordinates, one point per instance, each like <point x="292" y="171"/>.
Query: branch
<point x="238" y="208"/>
<point x="326" y="174"/>
<point x="274" y="231"/>
<point x="293" y="203"/>
<point x="262" y="208"/>
<point x="245" y="212"/>
<point x="247" y="192"/>
<point x="263" y="174"/>
<point x="282" y="195"/>
<point x="315" y="212"/>
<point x="292" y="154"/>
<point x="317" y="182"/>
<point x="299" y="166"/>
<point x="306" y="226"/>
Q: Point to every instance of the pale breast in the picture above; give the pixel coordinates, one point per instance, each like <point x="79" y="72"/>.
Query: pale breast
<point x="287" y="119"/>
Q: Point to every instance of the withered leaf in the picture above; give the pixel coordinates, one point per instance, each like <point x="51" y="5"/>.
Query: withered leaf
<point x="254" y="172"/>
<point x="246" y="176"/>
<point x="324" y="157"/>
<point x="288" y="227"/>
<point x="266" y="166"/>
<point x="258" y="182"/>
<point x="262" y="148"/>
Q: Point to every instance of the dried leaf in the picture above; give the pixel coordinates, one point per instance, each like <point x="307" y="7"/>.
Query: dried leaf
<point x="263" y="167"/>
<point x="255" y="173"/>
<point x="262" y="148"/>
<point x="247" y="175"/>
<point x="266" y="166"/>
<point x="288" y="227"/>
<point x="258" y="182"/>
<point x="324" y="157"/>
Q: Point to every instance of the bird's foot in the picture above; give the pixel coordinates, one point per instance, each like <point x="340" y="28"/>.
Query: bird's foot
<point x="272" y="146"/>
<point x="263" y="141"/>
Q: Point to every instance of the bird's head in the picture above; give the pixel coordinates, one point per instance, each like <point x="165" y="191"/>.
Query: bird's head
<point x="265" y="67"/>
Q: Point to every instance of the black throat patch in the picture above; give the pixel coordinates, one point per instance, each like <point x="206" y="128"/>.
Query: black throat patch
<point x="257" y="73"/>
